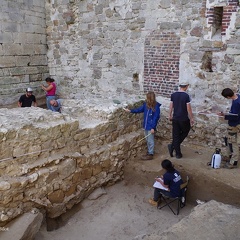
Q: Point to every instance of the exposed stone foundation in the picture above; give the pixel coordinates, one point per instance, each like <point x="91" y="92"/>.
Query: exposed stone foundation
<point x="53" y="161"/>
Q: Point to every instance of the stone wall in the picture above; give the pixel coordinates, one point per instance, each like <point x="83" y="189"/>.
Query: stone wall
<point x="23" y="49"/>
<point x="99" y="48"/>
<point x="52" y="161"/>
<point x="116" y="48"/>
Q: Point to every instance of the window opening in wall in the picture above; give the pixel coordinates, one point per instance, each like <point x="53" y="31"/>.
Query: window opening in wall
<point x="217" y="22"/>
<point x="207" y="62"/>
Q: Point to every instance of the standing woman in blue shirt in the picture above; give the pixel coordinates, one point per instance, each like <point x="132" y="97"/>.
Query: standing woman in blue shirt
<point x="151" y="110"/>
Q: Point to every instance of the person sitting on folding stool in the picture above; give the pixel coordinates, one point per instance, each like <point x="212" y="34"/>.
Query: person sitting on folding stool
<point x="171" y="180"/>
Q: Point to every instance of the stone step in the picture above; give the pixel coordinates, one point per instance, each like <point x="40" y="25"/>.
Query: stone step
<point x="23" y="227"/>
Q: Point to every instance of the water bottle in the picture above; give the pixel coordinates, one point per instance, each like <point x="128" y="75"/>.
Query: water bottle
<point x="216" y="158"/>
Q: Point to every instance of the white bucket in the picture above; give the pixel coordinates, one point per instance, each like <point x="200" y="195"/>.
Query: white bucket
<point x="216" y="160"/>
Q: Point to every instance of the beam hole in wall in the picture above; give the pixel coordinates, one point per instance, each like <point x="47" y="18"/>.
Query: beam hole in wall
<point x="135" y="77"/>
<point x="207" y="62"/>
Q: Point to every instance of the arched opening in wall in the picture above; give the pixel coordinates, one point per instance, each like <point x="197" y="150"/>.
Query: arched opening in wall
<point x="161" y="62"/>
<point x="207" y="62"/>
<point x="217" y="22"/>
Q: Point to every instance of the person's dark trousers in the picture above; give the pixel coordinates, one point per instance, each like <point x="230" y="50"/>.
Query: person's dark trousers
<point x="158" y="192"/>
<point x="180" y="131"/>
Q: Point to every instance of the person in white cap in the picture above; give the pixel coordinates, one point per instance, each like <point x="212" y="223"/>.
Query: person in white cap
<point x="180" y="113"/>
<point x="27" y="99"/>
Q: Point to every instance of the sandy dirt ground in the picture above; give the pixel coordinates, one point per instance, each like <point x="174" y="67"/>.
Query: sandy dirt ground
<point x="123" y="212"/>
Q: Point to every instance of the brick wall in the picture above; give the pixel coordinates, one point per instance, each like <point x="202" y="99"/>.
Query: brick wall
<point x="161" y="62"/>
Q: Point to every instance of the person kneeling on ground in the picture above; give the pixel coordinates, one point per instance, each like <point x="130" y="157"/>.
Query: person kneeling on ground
<point x="55" y="105"/>
<point x="171" y="180"/>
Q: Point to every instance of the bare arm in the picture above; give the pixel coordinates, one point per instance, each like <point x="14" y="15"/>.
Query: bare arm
<point x="190" y="114"/>
<point x="19" y="104"/>
<point x="126" y="110"/>
<point x="35" y="104"/>
<point x="47" y="88"/>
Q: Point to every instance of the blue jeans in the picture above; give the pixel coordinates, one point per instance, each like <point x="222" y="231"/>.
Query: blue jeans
<point x="150" y="141"/>
<point x="48" y="99"/>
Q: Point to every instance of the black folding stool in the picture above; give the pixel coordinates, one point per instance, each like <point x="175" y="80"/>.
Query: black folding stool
<point x="181" y="200"/>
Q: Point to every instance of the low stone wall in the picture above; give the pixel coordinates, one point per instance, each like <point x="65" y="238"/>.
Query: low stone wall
<point x="49" y="161"/>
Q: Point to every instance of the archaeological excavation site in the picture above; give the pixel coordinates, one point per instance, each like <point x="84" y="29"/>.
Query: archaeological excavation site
<point x="78" y="173"/>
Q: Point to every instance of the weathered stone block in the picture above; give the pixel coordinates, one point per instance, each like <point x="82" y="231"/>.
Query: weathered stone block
<point x="76" y="177"/>
<point x="82" y="135"/>
<point x="196" y="31"/>
<point x="96" y="169"/>
<point x="4" y="185"/>
<point x="66" y="168"/>
<point x="106" y="164"/>
<point x="56" y="196"/>
<point x="53" y="175"/>
<point x="86" y="173"/>
<point x="70" y="191"/>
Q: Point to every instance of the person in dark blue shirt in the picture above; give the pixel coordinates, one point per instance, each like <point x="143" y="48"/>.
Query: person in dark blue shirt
<point x="233" y="118"/>
<point x="171" y="180"/>
<point x="151" y="116"/>
<point x="180" y="113"/>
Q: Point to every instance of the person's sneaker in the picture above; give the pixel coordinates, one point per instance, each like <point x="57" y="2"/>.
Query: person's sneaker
<point x="152" y="202"/>
<point x="170" y="149"/>
<point x="147" y="157"/>
<point x="229" y="166"/>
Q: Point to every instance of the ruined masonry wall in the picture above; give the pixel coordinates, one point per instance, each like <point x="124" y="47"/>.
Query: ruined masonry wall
<point x="116" y="48"/>
<point x="23" y="48"/>
<point x="51" y="161"/>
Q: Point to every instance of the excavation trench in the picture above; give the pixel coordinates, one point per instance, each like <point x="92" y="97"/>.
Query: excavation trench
<point x="83" y="156"/>
<point x="122" y="210"/>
